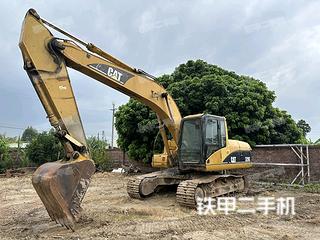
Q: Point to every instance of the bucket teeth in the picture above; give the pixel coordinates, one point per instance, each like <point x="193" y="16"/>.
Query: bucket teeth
<point x="61" y="187"/>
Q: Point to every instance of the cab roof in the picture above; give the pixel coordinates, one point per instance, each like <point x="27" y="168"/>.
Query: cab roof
<point x="203" y="115"/>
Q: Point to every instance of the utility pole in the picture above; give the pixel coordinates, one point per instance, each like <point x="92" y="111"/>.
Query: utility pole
<point x="103" y="136"/>
<point x="113" y="109"/>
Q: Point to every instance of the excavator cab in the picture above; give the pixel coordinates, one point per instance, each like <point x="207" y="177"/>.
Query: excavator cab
<point x="204" y="145"/>
<point x="201" y="135"/>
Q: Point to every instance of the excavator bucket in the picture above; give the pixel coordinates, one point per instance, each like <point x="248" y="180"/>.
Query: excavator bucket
<point x="61" y="187"/>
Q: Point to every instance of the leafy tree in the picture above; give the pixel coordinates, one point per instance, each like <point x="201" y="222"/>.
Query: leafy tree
<point x="136" y="131"/>
<point x="304" y="126"/>
<point x="28" y="134"/>
<point x="5" y="160"/>
<point x="44" y="147"/>
<point x="199" y="87"/>
<point x="98" y="153"/>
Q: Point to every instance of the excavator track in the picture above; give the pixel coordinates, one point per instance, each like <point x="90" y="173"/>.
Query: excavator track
<point x="186" y="193"/>
<point x="133" y="187"/>
<point x="210" y="186"/>
<point x="143" y="186"/>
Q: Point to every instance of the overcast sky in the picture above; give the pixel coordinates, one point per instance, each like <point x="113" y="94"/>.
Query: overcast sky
<point x="277" y="42"/>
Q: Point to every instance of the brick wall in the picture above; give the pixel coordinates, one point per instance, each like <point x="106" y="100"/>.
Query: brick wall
<point x="117" y="157"/>
<point x="259" y="155"/>
<point x="286" y="155"/>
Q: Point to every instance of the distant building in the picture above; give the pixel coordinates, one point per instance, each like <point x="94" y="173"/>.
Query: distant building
<point x="17" y="145"/>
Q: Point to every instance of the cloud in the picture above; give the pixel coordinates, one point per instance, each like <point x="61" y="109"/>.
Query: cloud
<point x="277" y="42"/>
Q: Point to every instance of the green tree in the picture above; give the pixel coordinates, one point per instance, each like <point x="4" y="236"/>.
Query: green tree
<point x="199" y="87"/>
<point x="44" y="147"/>
<point x="304" y="126"/>
<point x="28" y="134"/>
<point x="98" y="153"/>
<point x="137" y="127"/>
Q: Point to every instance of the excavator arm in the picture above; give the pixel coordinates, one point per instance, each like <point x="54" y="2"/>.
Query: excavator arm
<point x="61" y="185"/>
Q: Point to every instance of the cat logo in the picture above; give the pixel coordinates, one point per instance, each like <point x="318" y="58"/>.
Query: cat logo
<point x="114" y="74"/>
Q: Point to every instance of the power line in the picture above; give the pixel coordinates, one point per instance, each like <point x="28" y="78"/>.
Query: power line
<point x="10" y="127"/>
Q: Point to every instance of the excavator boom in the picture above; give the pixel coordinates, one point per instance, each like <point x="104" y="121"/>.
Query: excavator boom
<point x="61" y="185"/>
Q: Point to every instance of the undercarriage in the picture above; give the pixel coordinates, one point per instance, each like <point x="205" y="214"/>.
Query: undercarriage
<point x="190" y="186"/>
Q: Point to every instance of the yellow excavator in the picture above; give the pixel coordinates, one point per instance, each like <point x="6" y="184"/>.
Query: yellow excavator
<point x="196" y="153"/>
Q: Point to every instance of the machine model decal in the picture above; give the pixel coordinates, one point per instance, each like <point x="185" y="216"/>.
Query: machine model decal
<point x="112" y="72"/>
<point x="239" y="156"/>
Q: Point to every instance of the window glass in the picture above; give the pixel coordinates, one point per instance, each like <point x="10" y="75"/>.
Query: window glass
<point x="212" y="132"/>
<point x="190" y="150"/>
<point x="223" y="133"/>
<point x="211" y="138"/>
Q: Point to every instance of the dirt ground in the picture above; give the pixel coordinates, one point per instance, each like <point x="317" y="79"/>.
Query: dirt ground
<point x="110" y="214"/>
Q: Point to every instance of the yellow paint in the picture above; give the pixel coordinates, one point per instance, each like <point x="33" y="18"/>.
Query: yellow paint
<point x="160" y="161"/>
<point x="227" y="166"/>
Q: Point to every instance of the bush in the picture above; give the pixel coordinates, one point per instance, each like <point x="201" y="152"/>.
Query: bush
<point x="44" y="147"/>
<point x="5" y="161"/>
<point x="312" y="187"/>
<point x="98" y="153"/>
<point x="28" y="134"/>
<point x="25" y="162"/>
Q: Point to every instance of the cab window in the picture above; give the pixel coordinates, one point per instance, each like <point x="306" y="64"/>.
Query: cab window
<point x="223" y="133"/>
<point x="191" y="141"/>
<point x="211" y="137"/>
<point x="212" y="132"/>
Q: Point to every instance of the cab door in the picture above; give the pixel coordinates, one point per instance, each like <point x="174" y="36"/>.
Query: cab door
<point x="190" y="150"/>
<point x="214" y="135"/>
